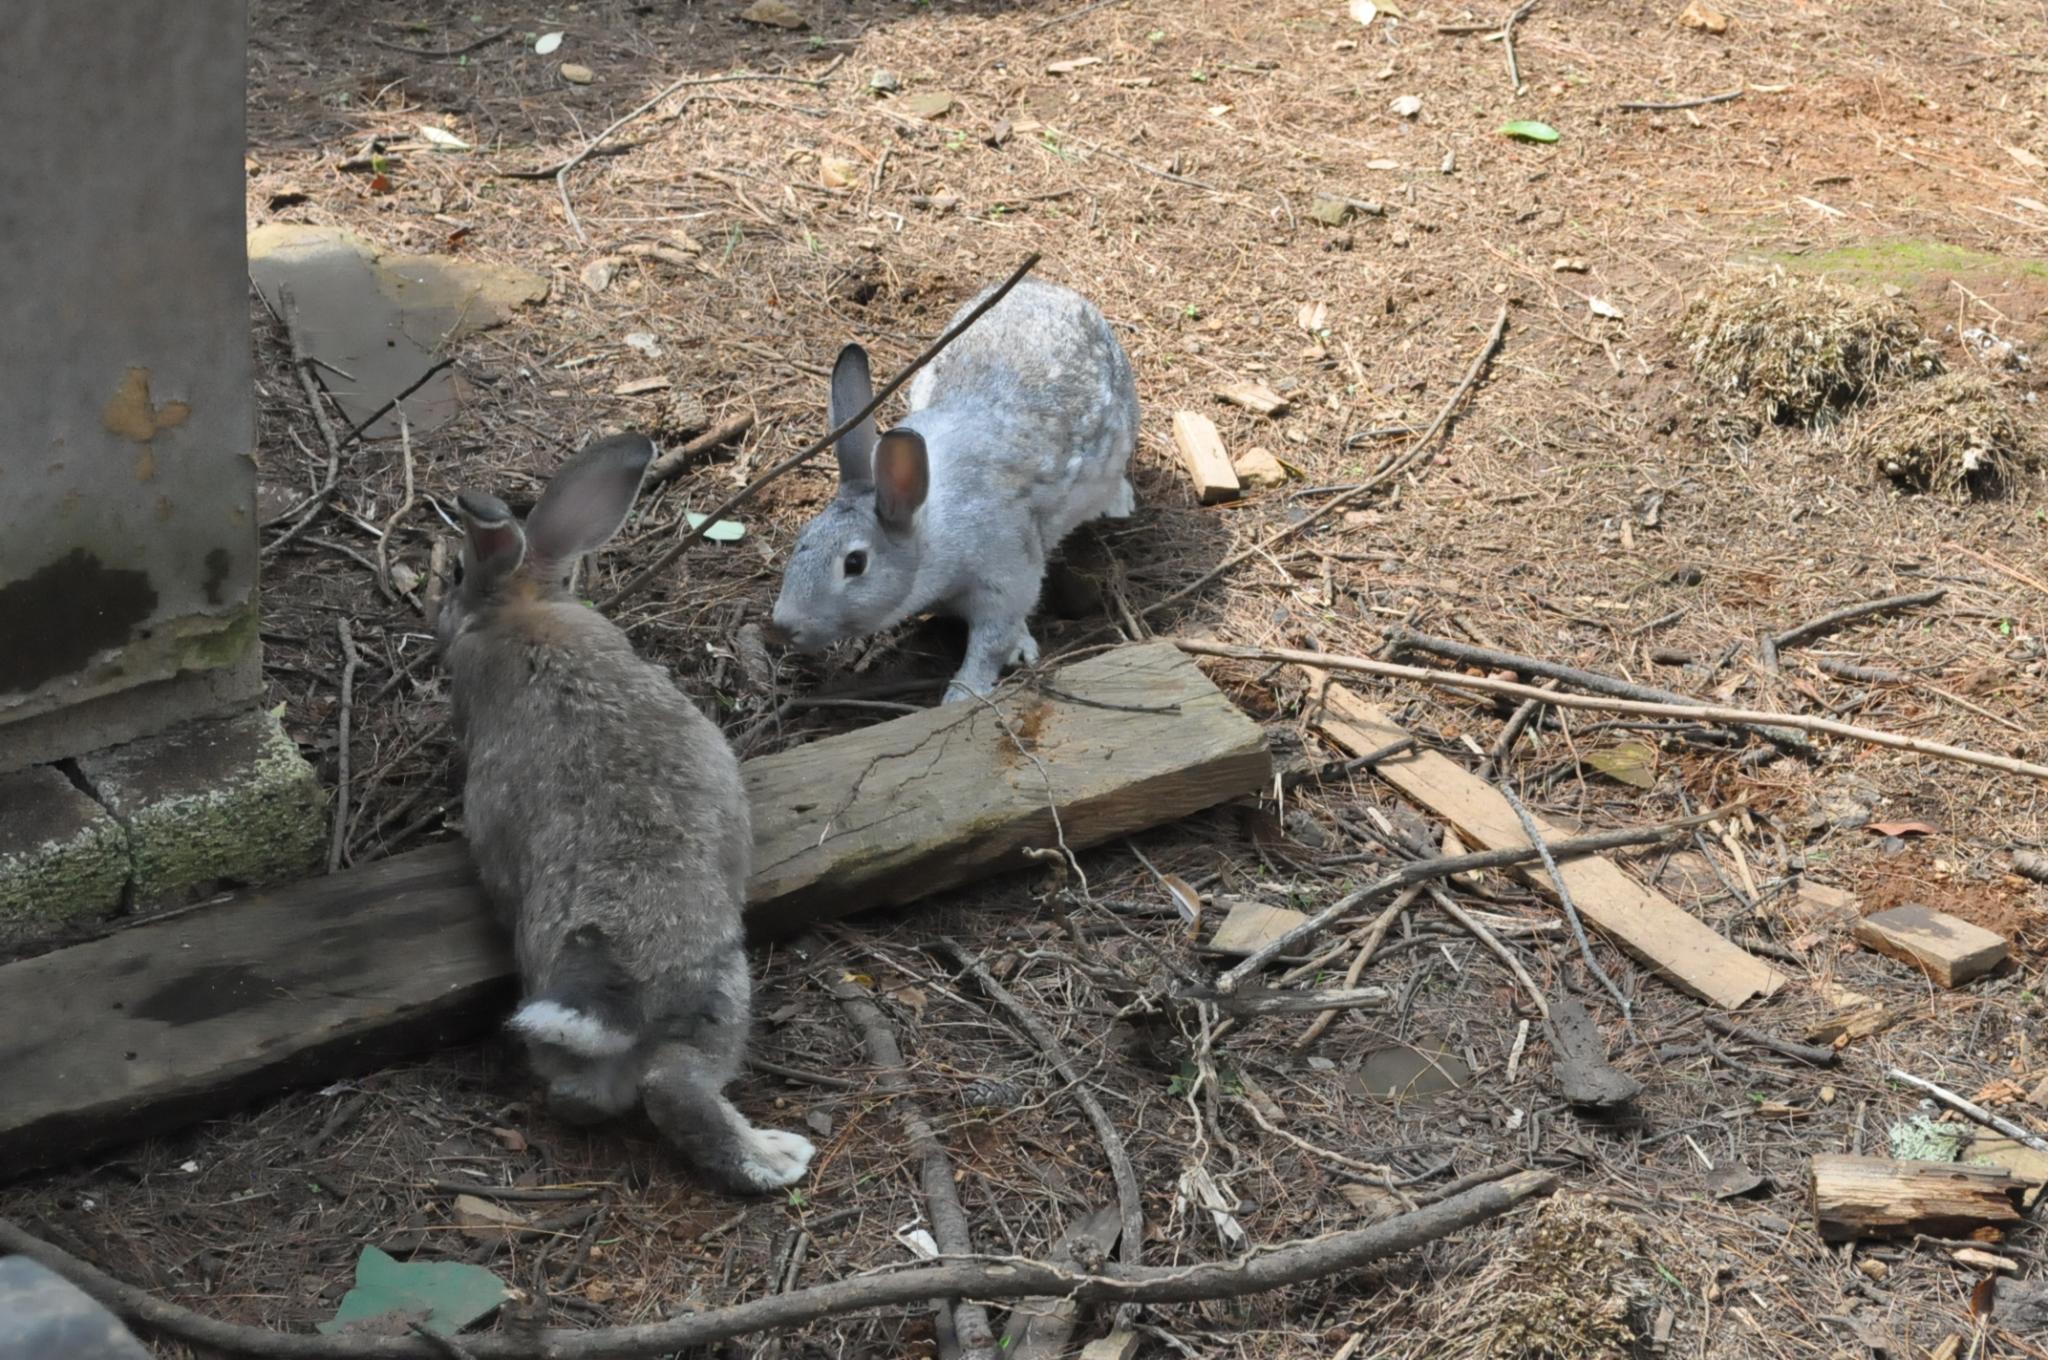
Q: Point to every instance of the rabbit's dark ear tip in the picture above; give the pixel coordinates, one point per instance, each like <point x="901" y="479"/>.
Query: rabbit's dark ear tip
<point x="482" y="507"/>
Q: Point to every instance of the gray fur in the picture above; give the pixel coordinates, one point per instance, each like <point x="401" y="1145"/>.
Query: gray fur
<point x="1029" y="421"/>
<point x="610" y="829"/>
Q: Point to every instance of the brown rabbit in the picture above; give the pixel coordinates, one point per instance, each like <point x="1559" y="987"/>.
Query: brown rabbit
<point x="609" y="826"/>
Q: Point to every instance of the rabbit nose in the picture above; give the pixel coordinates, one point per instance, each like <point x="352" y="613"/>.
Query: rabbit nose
<point x="779" y="630"/>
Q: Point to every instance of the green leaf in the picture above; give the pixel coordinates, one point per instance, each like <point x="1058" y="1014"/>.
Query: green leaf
<point x="1530" y="131"/>
<point x="725" y="531"/>
<point x="1632" y="762"/>
<point x="390" y="1295"/>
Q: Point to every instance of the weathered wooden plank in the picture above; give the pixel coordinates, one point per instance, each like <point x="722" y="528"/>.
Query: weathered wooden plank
<point x="1876" y="1197"/>
<point x="1947" y="948"/>
<point x="1650" y="926"/>
<point x="1202" y="453"/>
<point x="155" y="1026"/>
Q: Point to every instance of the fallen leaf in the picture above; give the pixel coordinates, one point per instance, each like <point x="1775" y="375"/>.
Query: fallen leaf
<point x="1983" y="1297"/>
<point x="547" y="43"/>
<point x="1632" y="762"/>
<point x="1703" y="17"/>
<point x="1904" y="829"/>
<point x="512" y="1140"/>
<point x="1365" y="11"/>
<point x="644" y="342"/>
<point x="837" y="172"/>
<point x="1407" y="106"/>
<point x="445" y="1296"/>
<point x="2025" y="158"/>
<point x="380" y="184"/>
<point x="577" y="74"/>
<point x="598" y="274"/>
<point x="1730" y="1180"/>
<point x="1312" y="316"/>
<point x="1602" y="307"/>
<point x="1071" y="65"/>
<point x="911" y="999"/>
<point x="931" y="104"/>
<point x="774" y="13"/>
<point x="443" y="138"/>
<point x="1186" y="900"/>
<point x="1528" y="130"/>
<point x="483" y="1220"/>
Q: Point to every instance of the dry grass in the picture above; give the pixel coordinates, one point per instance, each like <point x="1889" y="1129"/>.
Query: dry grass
<point x="1803" y="350"/>
<point x="1956" y="435"/>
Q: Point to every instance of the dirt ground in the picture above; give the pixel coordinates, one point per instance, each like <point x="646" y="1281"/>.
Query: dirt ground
<point x="1594" y="504"/>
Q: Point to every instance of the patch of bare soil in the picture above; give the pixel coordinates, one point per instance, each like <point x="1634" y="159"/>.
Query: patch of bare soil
<point x="1596" y="503"/>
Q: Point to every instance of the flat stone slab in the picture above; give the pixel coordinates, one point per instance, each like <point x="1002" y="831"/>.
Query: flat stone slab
<point x="208" y="805"/>
<point x="63" y="859"/>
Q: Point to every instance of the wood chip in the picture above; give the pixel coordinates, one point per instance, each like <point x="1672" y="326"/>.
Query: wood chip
<point x="774" y="14"/>
<point x="640" y="387"/>
<point x="1202" y="453"/>
<point x="1118" y="1345"/>
<point x="484" y="1220"/>
<point x="1946" y="948"/>
<point x="577" y="74"/>
<point x="1703" y="18"/>
<point x="1977" y="1259"/>
<point x="1255" y="397"/>
<point x="1068" y="67"/>
<point x="1250" y="925"/>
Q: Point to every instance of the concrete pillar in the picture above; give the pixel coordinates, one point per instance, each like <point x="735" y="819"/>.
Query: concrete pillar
<point x="127" y="491"/>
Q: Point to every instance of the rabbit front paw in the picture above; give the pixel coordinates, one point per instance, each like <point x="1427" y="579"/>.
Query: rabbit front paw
<point x="774" y="1158"/>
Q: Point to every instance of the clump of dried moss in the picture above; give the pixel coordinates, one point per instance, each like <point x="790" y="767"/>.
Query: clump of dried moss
<point x="1803" y="349"/>
<point x="1956" y="435"/>
<point x="1565" y="1290"/>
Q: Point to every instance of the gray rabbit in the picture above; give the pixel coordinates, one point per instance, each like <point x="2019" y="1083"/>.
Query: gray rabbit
<point x="1020" y="430"/>
<point x="610" y="829"/>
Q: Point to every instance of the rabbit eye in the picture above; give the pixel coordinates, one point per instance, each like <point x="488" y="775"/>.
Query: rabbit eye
<point x="856" y="562"/>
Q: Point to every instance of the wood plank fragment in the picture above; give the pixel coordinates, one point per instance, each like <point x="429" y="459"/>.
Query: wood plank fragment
<point x="1858" y="1022"/>
<point x="1039" y="1329"/>
<point x="1202" y="453"/>
<point x="1947" y="948"/>
<point x="1250" y="925"/>
<point x="155" y="1026"/>
<point x="1856" y="1197"/>
<point x="1255" y="397"/>
<point x="1652" y="928"/>
<point x="1120" y="1344"/>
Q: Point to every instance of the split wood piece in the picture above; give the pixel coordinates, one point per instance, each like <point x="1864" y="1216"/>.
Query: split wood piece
<point x="935" y="1169"/>
<point x="160" y="1025"/>
<point x="1120" y="1344"/>
<point x="1648" y="925"/>
<point x="1859" y="1022"/>
<point x="1202" y="452"/>
<point x="1004" y="1278"/>
<point x="1946" y="948"/>
<point x="1857" y="1197"/>
<point x="1039" y="1329"/>
<point x="1255" y="397"/>
<point x="1251" y="925"/>
<point x="1279" y="1001"/>
<point x="1580" y="1064"/>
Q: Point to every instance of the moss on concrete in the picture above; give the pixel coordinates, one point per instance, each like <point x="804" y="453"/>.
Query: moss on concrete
<point x="212" y="805"/>
<point x="63" y="860"/>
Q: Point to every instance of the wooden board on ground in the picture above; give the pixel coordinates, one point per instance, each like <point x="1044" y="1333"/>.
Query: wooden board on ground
<point x="164" y="1023"/>
<point x="1946" y="948"/>
<point x="1679" y="948"/>
<point x="1203" y="455"/>
<point x="1876" y="1197"/>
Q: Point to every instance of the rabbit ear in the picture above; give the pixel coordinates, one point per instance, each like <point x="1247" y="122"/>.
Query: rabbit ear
<point x="588" y="499"/>
<point x="903" y="475"/>
<point x="852" y="389"/>
<point x="493" y="543"/>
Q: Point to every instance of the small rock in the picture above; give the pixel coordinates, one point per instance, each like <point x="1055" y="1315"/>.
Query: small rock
<point x="888" y="82"/>
<point x="687" y="414"/>
<point x="2021" y="1305"/>
<point x="1772" y="1223"/>
<point x="1844" y="805"/>
<point x="1407" y="106"/>
<point x="1330" y="210"/>
<point x="577" y="74"/>
<point x="1731" y="1180"/>
<point x="1704" y="18"/>
<point x="819" y="1122"/>
<point x="837" y="172"/>
<point x="1873" y="1268"/>
<point x="644" y="342"/>
<point x="599" y="273"/>
<point x="774" y="14"/>
<point x="1259" y="468"/>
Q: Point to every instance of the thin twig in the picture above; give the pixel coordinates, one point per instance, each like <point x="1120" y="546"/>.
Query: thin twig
<point x="447" y="53"/>
<point x="1060" y="19"/>
<point x="351" y="659"/>
<point x="1806" y="1053"/>
<point x="1373" y="1169"/>
<point x="404" y="509"/>
<point x="1827" y="623"/>
<point x="941" y="1199"/>
<point x="1507" y="41"/>
<point x="356" y="431"/>
<point x="1415" y="455"/>
<point x="1448" y="905"/>
<point x="1374" y="935"/>
<point x="562" y="172"/>
<point x="1740" y="717"/>
<point x="1278" y="1002"/>
<point x="1446" y="866"/>
<point x="1636" y="106"/>
<point x="2009" y="572"/>
<point x="288" y="314"/>
<point x="1130" y="1203"/>
<point x="672" y="462"/>
<point x="747" y="492"/>
<point x="1564" y="897"/>
<point x="1970" y="1110"/>
<point x="996" y="1278"/>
